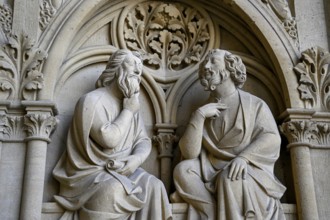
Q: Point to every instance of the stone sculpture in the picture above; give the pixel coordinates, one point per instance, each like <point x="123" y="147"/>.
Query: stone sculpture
<point x="229" y="149"/>
<point x="100" y="172"/>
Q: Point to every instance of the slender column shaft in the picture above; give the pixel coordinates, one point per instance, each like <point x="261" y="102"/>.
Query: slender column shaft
<point x="38" y="125"/>
<point x="304" y="183"/>
<point x="34" y="180"/>
<point x="166" y="174"/>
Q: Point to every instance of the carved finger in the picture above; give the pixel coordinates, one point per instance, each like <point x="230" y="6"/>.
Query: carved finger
<point x="231" y="171"/>
<point x="221" y="106"/>
<point x="235" y="174"/>
<point x="240" y="172"/>
<point x="125" y="171"/>
<point x="244" y="173"/>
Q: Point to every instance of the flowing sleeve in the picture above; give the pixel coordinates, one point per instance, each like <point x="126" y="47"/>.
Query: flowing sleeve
<point x="264" y="147"/>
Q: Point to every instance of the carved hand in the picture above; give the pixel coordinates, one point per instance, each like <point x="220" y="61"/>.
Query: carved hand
<point x="211" y="110"/>
<point x="238" y="168"/>
<point x="132" y="162"/>
<point x="132" y="104"/>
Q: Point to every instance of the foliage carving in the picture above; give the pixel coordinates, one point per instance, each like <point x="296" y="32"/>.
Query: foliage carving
<point x="20" y="64"/>
<point x="314" y="78"/>
<point x="39" y="125"/>
<point x="311" y="132"/>
<point x="169" y="36"/>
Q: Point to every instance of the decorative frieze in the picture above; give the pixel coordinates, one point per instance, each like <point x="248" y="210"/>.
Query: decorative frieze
<point x="20" y="68"/>
<point x="48" y="9"/>
<point x="170" y="36"/>
<point x="6" y="18"/>
<point x="312" y="133"/>
<point x="39" y="126"/>
<point x="314" y="78"/>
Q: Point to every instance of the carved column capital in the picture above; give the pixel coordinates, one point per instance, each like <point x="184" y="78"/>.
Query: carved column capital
<point x="11" y="128"/>
<point x="39" y="126"/>
<point x="313" y="134"/>
<point x="165" y="144"/>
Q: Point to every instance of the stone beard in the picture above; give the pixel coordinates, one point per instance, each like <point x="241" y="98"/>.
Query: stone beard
<point x="100" y="173"/>
<point x="211" y="79"/>
<point x="128" y="83"/>
<point x="229" y="149"/>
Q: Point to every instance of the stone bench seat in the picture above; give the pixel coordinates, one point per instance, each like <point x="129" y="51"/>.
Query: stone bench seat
<point x="52" y="211"/>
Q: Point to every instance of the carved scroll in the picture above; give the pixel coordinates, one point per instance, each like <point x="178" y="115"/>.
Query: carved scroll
<point x="169" y="36"/>
<point x="314" y="78"/>
<point x="20" y="68"/>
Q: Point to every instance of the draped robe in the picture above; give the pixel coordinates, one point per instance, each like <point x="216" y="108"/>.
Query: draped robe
<point x="253" y="136"/>
<point x="82" y="169"/>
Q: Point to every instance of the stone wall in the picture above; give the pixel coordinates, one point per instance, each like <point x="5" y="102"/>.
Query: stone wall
<point x="53" y="51"/>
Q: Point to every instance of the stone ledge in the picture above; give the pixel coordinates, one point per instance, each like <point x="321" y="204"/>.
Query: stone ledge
<point x="51" y="210"/>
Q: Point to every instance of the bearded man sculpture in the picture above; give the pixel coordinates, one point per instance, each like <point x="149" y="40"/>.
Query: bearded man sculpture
<point x="229" y="149"/>
<point x="100" y="172"/>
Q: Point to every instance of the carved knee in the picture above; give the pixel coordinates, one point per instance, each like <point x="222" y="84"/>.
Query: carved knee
<point x="106" y="195"/>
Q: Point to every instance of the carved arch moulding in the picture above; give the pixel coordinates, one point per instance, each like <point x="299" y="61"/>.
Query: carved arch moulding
<point x="172" y="48"/>
<point x="172" y="36"/>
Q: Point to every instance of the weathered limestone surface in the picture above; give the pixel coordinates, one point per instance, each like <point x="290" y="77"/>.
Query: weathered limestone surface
<point x="229" y="149"/>
<point x="100" y="172"/>
<point x="53" y="51"/>
<point x="311" y="17"/>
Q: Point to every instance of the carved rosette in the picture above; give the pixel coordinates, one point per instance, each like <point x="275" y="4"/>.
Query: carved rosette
<point x="290" y="26"/>
<point x="11" y="127"/>
<point x="170" y="36"/>
<point x="316" y="134"/>
<point x="165" y="144"/>
<point x="314" y="78"/>
<point x="48" y="9"/>
<point x="6" y="18"/>
<point x="39" y="126"/>
<point x="20" y="69"/>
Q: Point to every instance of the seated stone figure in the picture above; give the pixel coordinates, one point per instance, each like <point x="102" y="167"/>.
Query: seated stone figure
<point x="229" y="149"/>
<point x="100" y="172"/>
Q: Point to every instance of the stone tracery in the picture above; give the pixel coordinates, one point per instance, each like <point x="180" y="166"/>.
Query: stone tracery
<point x="170" y="36"/>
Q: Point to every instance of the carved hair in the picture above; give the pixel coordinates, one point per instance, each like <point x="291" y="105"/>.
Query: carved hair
<point x="113" y="69"/>
<point x="233" y="64"/>
<point x="236" y="68"/>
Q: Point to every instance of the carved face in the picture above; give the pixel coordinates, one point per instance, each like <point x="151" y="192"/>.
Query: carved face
<point x="213" y="71"/>
<point x="132" y="65"/>
<point x="130" y="78"/>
